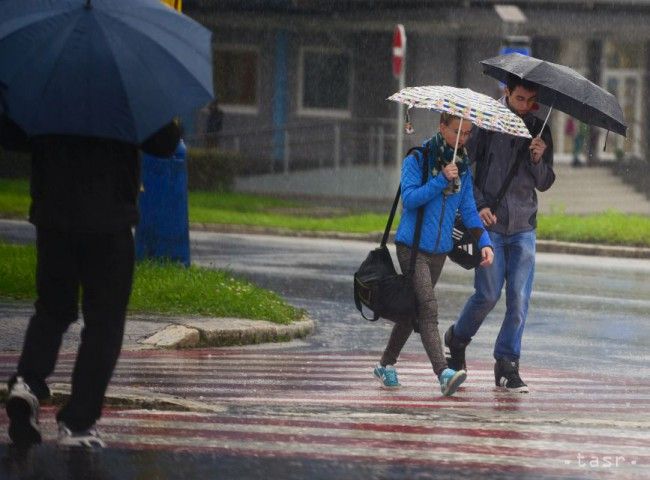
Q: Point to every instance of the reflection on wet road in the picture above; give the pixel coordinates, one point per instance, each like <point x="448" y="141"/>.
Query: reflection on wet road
<point x="325" y="406"/>
<point x="311" y="409"/>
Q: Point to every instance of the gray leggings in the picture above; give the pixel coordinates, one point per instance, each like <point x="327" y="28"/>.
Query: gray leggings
<point x="427" y="272"/>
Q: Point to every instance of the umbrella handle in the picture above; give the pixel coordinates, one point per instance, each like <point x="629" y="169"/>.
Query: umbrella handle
<point x="460" y="126"/>
<point x="542" y="129"/>
<point x="545" y="120"/>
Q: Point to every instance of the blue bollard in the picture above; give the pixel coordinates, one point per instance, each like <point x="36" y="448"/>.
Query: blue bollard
<point x="163" y="230"/>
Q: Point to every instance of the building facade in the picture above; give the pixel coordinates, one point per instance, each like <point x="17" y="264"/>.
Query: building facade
<point x="303" y="84"/>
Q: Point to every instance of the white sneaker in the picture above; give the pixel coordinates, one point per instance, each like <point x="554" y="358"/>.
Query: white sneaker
<point x="22" y="409"/>
<point x="84" y="439"/>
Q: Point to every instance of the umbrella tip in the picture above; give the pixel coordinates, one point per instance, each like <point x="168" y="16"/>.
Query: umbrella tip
<point x="88" y="5"/>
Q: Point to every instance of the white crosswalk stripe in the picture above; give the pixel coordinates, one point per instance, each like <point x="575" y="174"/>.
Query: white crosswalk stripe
<point x="328" y="406"/>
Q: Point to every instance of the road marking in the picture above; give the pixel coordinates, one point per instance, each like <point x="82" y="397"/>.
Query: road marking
<point x="328" y="406"/>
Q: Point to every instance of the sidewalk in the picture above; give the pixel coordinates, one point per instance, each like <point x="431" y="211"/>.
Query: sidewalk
<point x="147" y="333"/>
<point x="144" y="332"/>
<point x="579" y="191"/>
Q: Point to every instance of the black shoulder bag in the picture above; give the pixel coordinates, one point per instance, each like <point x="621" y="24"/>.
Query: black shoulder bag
<point x="377" y="285"/>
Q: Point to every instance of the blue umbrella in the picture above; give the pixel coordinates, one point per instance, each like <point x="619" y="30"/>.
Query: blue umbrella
<point x="108" y="68"/>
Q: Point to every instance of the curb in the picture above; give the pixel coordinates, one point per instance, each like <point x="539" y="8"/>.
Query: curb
<point x="552" y="246"/>
<point x="285" y="232"/>
<point x="222" y="332"/>
<point x="129" y="397"/>
<point x="546" y="246"/>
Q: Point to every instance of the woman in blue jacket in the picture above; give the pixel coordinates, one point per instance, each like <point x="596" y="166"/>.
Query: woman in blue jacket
<point x="448" y="190"/>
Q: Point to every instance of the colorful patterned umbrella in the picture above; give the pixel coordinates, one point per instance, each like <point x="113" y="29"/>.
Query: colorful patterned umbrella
<point x="481" y="110"/>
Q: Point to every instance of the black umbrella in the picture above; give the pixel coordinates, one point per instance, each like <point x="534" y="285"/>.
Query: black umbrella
<point x="562" y="88"/>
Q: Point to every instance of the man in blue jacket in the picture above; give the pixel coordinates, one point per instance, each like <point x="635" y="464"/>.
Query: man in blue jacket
<point x="512" y="226"/>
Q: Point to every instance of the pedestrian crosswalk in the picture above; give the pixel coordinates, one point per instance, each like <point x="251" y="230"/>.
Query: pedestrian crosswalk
<point x="327" y="406"/>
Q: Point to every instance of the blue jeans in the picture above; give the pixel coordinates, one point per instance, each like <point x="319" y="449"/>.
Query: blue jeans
<point x="514" y="265"/>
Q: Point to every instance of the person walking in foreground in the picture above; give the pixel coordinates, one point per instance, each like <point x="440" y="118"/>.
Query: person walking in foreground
<point x="84" y="193"/>
<point x="511" y="223"/>
<point x="447" y="190"/>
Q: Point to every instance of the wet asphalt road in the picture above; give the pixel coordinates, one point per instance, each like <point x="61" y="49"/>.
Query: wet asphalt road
<point x="588" y="318"/>
<point x="586" y="312"/>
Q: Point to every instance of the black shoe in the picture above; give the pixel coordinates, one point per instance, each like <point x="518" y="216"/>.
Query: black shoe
<point x="506" y="376"/>
<point x="456" y="358"/>
<point x="22" y="410"/>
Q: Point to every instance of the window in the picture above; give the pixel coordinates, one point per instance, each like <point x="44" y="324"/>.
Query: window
<point x="569" y="135"/>
<point x="625" y="85"/>
<point x="623" y="77"/>
<point x="620" y="55"/>
<point x="325" y="82"/>
<point x="236" y="76"/>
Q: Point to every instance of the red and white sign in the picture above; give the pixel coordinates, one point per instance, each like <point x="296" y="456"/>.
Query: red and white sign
<point x="399" y="50"/>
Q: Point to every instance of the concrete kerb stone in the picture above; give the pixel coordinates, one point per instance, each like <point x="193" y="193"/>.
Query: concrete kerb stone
<point x="220" y="332"/>
<point x="139" y="398"/>
<point x="174" y="336"/>
<point x="551" y="246"/>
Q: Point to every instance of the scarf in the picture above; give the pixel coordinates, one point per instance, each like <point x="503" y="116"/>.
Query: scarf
<point x="442" y="155"/>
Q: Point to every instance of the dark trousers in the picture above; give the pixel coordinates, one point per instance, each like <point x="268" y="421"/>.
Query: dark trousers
<point x="100" y="265"/>
<point x="427" y="272"/>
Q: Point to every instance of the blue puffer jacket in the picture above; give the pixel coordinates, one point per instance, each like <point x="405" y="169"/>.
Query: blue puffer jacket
<point x="440" y="209"/>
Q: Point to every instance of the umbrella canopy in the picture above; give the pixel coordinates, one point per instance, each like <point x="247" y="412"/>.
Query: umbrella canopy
<point x="562" y="88"/>
<point x="479" y="109"/>
<point x="106" y="68"/>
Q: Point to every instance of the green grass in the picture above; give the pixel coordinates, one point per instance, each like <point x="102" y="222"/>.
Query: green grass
<point x="17" y="267"/>
<point x="256" y="210"/>
<point x="14" y="198"/>
<point x="611" y="228"/>
<point x="360" y="223"/>
<point x="163" y="288"/>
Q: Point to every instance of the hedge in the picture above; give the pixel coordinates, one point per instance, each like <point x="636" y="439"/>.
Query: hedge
<point x="212" y="169"/>
<point x="208" y="169"/>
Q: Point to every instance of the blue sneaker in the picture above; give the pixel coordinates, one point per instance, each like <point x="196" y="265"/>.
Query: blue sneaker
<point x="450" y="380"/>
<point x="387" y="376"/>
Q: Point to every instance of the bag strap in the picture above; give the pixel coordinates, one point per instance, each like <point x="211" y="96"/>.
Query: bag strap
<point x="420" y="217"/>
<point x="506" y="183"/>
<point x="391" y="216"/>
<point x="513" y="170"/>
<point x="425" y="153"/>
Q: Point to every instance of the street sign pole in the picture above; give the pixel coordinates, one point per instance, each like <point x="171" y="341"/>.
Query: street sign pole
<point x="399" y="67"/>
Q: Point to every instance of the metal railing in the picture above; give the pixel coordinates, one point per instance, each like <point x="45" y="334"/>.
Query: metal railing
<point x="309" y="145"/>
